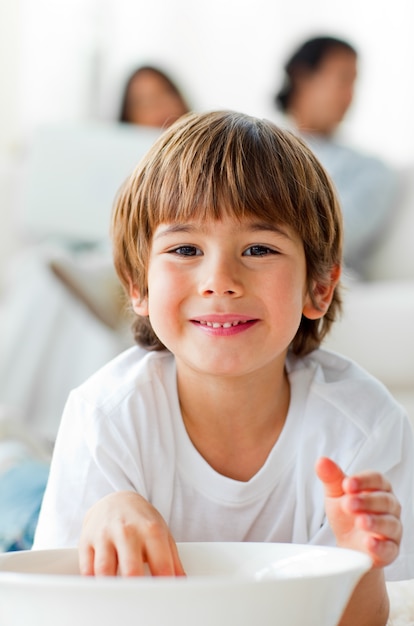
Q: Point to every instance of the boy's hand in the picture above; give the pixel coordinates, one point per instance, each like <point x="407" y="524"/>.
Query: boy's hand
<point x="363" y="512"/>
<point x="123" y="532"/>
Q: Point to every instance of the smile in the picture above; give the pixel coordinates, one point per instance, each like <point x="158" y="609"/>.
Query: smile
<point x="221" y="325"/>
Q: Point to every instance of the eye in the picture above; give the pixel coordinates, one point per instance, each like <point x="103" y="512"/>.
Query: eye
<point x="258" y="250"/>
<point x="186" y="251"/>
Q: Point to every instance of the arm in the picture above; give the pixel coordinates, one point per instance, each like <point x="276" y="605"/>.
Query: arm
<point x="123" y="533"/>
<point x="364" y="515"/>
<point x="89" y="462"/>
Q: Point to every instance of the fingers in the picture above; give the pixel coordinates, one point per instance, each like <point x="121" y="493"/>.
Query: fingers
<point x="129" y="551"/>
<point x="377" y="515"/>
<point x="377" y="538"/>
<point x="178" y="568"/>
<point x="362" y="510"/>
<point x="332" y="477"/>
<point x="86" y="560"/>
<point x="123" y="534"/>
<point x="369" y="496"/>
<point x="378" y="502"/>
<point x="366" y="481"/>
<point x="163" y="560"/>
<point x="105" y="560"/>
<point x="98" y="558"/>
<point x="131" y="558"/>
<point x="368" y="491"/>
<point x="380" y="526"/>
<point x="382" y="551"/>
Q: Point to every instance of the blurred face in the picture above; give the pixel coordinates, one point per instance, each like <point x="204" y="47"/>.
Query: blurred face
<point x="324" y="96"/>
<point x="152" y="102"/>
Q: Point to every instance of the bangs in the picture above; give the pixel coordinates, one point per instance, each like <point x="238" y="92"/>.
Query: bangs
<point x="217" y="191"/>
<point x="234" y="169"/>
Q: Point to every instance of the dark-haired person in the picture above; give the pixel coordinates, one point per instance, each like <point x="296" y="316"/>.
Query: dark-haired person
<point x="317" y="91"/>
<point x="151" y="98"/>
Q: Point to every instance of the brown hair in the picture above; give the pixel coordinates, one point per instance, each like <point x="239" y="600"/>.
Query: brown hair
<point x="211" y="164"/>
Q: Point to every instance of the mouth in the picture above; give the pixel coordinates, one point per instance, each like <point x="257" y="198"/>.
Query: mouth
<point x="226" y="324"/>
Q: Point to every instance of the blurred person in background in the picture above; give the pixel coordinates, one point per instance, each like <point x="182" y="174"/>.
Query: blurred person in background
<point x="151" y="98"/>
<point x="316" y="94"/>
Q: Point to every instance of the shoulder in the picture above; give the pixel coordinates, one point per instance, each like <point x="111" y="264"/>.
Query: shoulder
<point x="344" y="387"/>
<point x="349" y="415"/>
<point x="332" y="372"/>
<point x="133" y="372"/>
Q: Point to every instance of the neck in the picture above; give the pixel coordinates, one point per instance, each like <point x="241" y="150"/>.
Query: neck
<point x="234" y="424"/>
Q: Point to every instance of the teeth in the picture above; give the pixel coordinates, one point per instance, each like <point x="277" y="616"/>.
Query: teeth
<point x="218" y="325"/>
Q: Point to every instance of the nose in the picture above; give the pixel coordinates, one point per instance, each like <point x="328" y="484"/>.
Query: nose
<point x="220" y="277"/>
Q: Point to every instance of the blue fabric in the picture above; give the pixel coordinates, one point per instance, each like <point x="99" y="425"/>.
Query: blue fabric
<point x="21" y="494"/>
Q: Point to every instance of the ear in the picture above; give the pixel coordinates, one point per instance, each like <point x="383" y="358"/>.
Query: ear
<point x="139" y="304"/>
<point x="316" y="307"/>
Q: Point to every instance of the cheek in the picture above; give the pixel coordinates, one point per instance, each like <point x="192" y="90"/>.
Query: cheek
<point x="165" y="292"/>
<point x="286" y="297"/>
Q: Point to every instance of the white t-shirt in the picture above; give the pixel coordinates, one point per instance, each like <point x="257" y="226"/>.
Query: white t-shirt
<point x="123" y="430"/>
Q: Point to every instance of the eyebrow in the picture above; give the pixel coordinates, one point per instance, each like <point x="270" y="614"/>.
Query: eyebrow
<point x="253" y="226"/>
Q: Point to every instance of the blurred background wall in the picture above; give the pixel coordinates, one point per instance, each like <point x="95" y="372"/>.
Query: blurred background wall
<point x="66" y="61"/>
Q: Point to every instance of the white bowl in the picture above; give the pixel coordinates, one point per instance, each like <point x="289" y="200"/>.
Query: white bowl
<point x="227" y="584"/>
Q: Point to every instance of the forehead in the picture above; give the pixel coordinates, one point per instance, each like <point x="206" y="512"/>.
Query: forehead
<point x="148" y="81"/>
<point x="340" y="61"/>
<point x="230" y="222"/>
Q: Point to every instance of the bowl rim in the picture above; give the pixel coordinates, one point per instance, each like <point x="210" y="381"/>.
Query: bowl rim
<point x="358" y="562"/>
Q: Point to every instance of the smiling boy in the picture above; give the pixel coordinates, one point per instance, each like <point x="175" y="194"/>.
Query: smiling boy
<point x="227" y="238"/>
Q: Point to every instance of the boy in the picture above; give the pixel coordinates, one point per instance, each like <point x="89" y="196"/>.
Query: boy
<point x="227" y="238"/>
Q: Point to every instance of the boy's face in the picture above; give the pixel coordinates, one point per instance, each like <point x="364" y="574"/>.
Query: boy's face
<point x="227" y="297"/>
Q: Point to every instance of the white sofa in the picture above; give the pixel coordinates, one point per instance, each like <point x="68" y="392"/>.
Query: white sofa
<point x="377" y="326"/>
